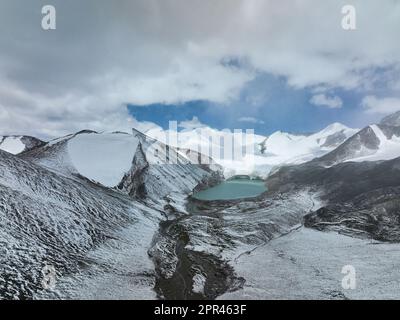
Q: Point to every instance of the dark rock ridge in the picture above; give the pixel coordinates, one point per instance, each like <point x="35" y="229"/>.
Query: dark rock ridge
<point x="159" y="177"/>
<point x="363" y="143"/>
<point x="153" y="174"/>
<point x="366" y="138"/>
<point x="334" y="139"/>
<point x="28" y="141"/>
<point x="361" y="199"/>
<point x="373" y="214"/>
<point x="31" y="143"/>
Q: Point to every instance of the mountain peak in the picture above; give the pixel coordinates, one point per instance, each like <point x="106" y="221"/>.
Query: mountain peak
<point x="334" y="127"/>
<point x="392" y="120"/>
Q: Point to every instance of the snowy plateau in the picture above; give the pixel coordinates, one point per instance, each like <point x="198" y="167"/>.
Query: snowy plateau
<point x="114" y="220"/>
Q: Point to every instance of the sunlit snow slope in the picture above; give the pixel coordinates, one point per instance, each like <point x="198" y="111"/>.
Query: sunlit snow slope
<point x="373" y="143"/>
<point x="267" y="152"/>
<point x="104" y="158"/>
<point x="18" y="144"/>
<point x="132" y="163"/>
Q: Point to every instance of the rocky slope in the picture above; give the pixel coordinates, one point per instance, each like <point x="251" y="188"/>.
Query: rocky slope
<point x="361" y="198"/>
<point x="19" y="144"/>
<point x="359" y="181"/>
<point x="135" y="164"/>
<point x="269" y="152"/>
<point x="77" y="201"/>
<point x="93" y="204"/>
<point x="48" y="219"/>
<point x="374" y="142"/>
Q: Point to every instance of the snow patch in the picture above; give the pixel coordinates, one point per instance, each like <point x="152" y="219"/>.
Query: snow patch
<point x="104" y="158"/>
<point x="199" y="282"/>
<point x="12" y="145"/>
<point x="279" y="148"/>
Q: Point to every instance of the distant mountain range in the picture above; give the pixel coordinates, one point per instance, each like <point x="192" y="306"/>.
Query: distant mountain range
<point x="334" y="144"/>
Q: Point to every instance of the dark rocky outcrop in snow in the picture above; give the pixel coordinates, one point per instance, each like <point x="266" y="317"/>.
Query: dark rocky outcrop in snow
<point x="361" y="199"/>
<point x="159" y="176"/>
<point x="364" y="143"/>
<point x="334" y="139"/>
<point x="31" y="142"/>
<point x="366" y="138"/>
<point x="390" y="131"/>
<point x="50" y="214"/>
<point x="374" y="214"/>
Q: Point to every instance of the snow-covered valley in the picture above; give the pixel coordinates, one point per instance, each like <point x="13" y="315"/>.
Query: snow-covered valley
<point x="115" y="219"/>
<point x="268" y="152"/>
<point x="307" y="264"/>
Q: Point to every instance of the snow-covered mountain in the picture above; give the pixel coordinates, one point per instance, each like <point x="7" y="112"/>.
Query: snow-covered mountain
<point x="49" y="219"/>
<point x="267" y="152"/>
<point x="282" y="148"/>
<point x="65" y="199"/>
<point x="133" y="163"/>
<point x="291" y="148"/>
<point x="374" y="142"/>
<point x="18" y="144"/>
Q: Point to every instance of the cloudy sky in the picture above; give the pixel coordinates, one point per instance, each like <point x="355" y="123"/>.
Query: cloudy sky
<point x="260" y="64"/>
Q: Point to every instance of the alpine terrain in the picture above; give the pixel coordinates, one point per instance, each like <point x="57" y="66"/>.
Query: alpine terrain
<point x="114" y="215"/>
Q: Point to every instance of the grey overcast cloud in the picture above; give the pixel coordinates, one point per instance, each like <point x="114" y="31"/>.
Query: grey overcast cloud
<point x="104" y="55"/>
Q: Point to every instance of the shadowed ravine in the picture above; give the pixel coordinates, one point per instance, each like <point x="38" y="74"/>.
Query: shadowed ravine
<point x="219" y="276"/>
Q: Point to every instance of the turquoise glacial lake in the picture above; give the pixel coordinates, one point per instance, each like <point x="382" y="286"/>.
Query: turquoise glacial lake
<point x="232" y="189"/>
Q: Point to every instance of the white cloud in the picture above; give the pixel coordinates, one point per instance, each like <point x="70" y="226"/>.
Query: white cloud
<point x="326" y="101"/>
<point x="251" y="120"/>
<point x="191" y="124"/>
<point x="104" y="55"/>
<point x="382" y="106"/>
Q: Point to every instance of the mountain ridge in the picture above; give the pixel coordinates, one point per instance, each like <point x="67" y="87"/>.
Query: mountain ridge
<point x="17" y="144"/>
